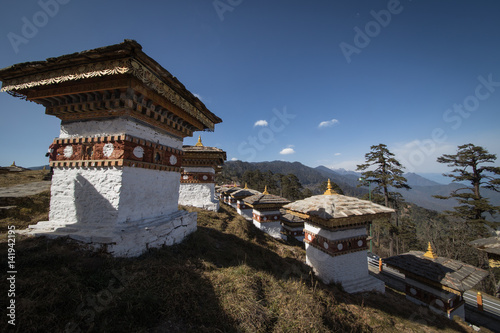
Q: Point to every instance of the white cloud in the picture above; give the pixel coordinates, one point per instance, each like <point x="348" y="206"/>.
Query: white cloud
<point x="337" y="154"/>
<point x="197" y="96"/>
<point x="287" y="151"/>
<point x="261" y="123"/>
<point x="420" y="155"/>
<point x="328" y="123"/>
<point x="234" y="159"/>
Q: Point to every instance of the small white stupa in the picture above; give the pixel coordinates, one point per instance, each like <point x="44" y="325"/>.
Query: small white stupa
<point x="335" y="228"/>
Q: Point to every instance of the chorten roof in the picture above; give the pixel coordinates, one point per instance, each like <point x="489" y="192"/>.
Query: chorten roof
<point x="229" y="190"/>
<point x="453" y="275"/>
<point x="244" y="193"/>
<point x="290" y="218"/>
<point x="200" y="155"/>
<point x="328" y="210"/>
<point x="489" y="245"/>
<point x="267" y="200"/>
<point x="103" y="74"/>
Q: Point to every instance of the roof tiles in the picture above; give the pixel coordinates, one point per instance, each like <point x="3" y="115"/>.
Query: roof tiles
<point x="336" y="206"/>
<point x="451" y="273"/>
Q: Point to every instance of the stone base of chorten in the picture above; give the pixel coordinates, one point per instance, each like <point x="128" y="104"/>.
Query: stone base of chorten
<point x="246" y="213"/>
<point x="350" y="270"/>
<point x="129" y="240"/>
<point x="271" y="228"/>
<point x="364" y="284"/>
<point x="198" y="195"/>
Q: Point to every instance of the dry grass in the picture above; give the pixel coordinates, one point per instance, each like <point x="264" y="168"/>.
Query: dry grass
<point x="24" y="177"/>
<point x="226" y="277"/>
<point x="30" y="210"/>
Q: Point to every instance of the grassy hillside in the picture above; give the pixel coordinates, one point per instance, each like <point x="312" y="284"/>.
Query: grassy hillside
<point x="226" y="277"/>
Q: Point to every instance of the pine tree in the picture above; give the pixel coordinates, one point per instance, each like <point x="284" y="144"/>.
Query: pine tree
<point x="468" y="167"/>
<point x="291" y="187"/>
<point x="388" y="172"/>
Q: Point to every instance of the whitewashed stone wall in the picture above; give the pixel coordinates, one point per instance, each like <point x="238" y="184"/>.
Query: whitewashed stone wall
<point x="122" y="195"/>
<point x="271" y="228"/>
<point x="340" y="268"/>
<point x="93" y="128"/>
<point x="198" y="195"/>
<point x="350" y="269"/>
<point x="201" y="195"/>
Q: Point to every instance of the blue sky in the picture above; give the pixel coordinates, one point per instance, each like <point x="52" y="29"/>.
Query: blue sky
<point x="421" y="77"/>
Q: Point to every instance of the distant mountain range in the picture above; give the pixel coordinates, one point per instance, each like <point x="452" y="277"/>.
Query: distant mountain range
<point x="421" y="192"/>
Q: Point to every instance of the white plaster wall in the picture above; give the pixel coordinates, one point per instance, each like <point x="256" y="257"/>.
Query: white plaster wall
<point x="271" y="228"/>
<point x="267" y="212"/>
<point x="85" y="195"/>
<point x="147" y="194"/>
<point x="335" y="235"/>
<point x="198" y="195"/>
<point x="246" y="212"/>
<point x="95" y="128"/>
<point x="106" y="196"/>
<point x="199" y="169"/>
<point x="342" y="268"/>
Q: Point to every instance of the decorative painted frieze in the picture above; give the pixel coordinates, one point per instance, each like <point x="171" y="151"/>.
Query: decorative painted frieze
<point x="337" y="247"/>
<point x="266" y="218"/>
<point x="429" y="298"/>
<point x="292" y="233"/>
<point x="197" y="177"/>
<point x="120" y="150"/>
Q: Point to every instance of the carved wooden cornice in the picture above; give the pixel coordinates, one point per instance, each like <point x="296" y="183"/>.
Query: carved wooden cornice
<point x="121" y="60"/>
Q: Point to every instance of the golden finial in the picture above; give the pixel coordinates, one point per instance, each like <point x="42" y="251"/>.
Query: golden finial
<point x="246" y="186"/>
<point x="13" y="164"/>
<point x="430" y="252"/>
<point x="199" y="144"/>
<point x="329" y="190"/>
<point x="265" y="190"/>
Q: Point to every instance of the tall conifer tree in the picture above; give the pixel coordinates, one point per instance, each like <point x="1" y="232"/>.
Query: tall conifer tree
<point x="468" y="164"/>
<point x="388" y="171"/>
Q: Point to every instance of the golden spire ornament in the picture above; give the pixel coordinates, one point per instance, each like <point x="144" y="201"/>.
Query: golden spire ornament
<point x="265" y="190"/>
<point x="199" y="144"/>
<point x="430" y="252"/>
<point x="329" y="190"/>
<point x="246" y="186"/>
